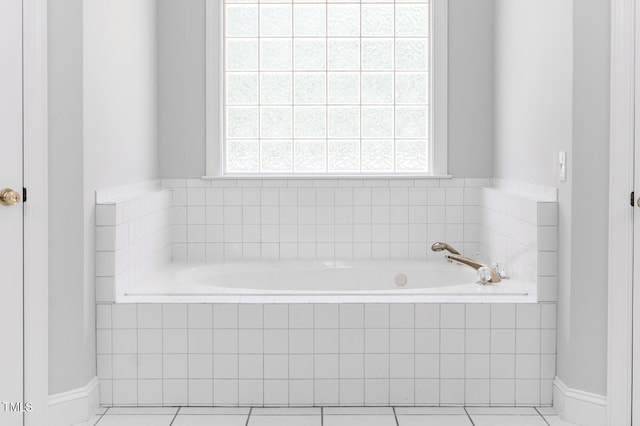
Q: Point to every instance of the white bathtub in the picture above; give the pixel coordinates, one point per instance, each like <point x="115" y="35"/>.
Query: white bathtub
<point x="366" y="281"/>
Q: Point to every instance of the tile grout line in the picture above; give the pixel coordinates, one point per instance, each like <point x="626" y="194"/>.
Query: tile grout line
<point x="543" y="417"/>
<point x="248" y="416"/>
<point x="175" y="416"/>
<point x="469" y="416"/>
<point x="395" y="416"/>
<point x="321" y="416"/>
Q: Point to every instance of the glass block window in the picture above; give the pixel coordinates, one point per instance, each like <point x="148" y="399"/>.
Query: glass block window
<point x="326" y="87"/>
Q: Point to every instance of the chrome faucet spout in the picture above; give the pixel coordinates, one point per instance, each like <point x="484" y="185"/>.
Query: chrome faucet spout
<point x="495" y="276"/>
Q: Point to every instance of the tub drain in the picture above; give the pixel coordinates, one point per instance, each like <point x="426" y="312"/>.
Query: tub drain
<point x="401" y="279"/>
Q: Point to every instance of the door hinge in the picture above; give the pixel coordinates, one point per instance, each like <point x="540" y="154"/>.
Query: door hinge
<point x="24" y="195"/>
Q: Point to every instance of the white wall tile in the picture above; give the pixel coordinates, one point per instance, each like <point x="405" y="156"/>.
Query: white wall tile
<point x="452" y="366"/>
<point x="174" y="392"/>
<point x="174" y="341"/>
<point x="402" y="366"/>
<point x="427" y="366"/>
<point x="451" y="392"/>
<point x="250" y="316"/>
<point x="174" y="366"/>
<point x="376" y="341"/>
<point x="200" y="366"/>
<point x="376" y="315"/>
<point x="225" y="366"/>
<point x="225" y="392"/>
<point x="301" y="392"/>
<point x="452" y="316"/>
<point x="528" y="315"/>
<point x="251" y="366"/>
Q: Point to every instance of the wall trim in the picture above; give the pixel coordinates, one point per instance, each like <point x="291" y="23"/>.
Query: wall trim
<point x="621" y="214"/>
<point x="74" y="406"/>
<point x="36" y="219"/>
<point x="580" y="407"/>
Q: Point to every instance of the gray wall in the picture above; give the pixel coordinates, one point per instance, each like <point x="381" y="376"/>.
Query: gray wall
<point x="71" y="335"/>
<point x="552" y="94"/>
<point x="532" y="88"/>
<point x="583" y="361"/>
<point x="102" y="133"/>
<point x="181" y="88"/>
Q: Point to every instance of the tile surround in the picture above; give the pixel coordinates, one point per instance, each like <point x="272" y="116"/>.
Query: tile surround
<point x="324" y="354"/>
<point x="346" y="354"/>
<point x="132" y="236"/>
<point x="227" y="219"/>
<point x="329" y="218"/>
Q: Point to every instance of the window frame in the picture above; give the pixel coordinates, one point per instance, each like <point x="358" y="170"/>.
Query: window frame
<point x="438" y="105"/>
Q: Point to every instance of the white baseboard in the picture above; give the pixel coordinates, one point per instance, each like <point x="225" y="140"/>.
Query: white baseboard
<point x="74" y="406"/>
<point x="579" y="407"/>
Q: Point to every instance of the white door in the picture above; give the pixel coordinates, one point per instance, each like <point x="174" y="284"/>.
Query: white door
<point x="11" y="218"/>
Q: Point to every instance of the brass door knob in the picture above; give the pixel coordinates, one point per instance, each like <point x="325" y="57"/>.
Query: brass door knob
<point x="9" y="197"/>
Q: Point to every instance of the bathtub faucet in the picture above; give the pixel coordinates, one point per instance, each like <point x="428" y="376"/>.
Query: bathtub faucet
<point x="486" y="273"/>
<point x="440" y="246"/>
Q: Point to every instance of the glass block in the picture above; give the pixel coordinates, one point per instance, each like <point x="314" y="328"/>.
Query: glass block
<point x="310" y="20"/>
<point x="411" y="122"/>
<point x="242" y="156"/>
<point x="310" y="55"/>
<point x="377" y="20"/>
<point x="310" y="156"/>
<point x="377" y="54"/>
<point x="411" y="155"/>
<point x="344" y="88"/>
<point x="343" y="20"/>
<point x="309" y="122"/>
<point x="275" y="54"/>
<point x="242" y="122"/>
<point x="412" y="88"/>
<point x="412" y="54"/>
<point x="344" y="122"/>
<point x="412" y="20"/>
<point x="344" y="54"/>
<point x="275" y="20"/>
<point x="242" y="55"/>
<point x="310" y="88"/>
<point x="276" y="156"/>
<point x="275" y="122"/>
<point x="242" y="21"/>
<point x="377" y="156"/>
<point x="343" y="156"/>
<point x="377" y="88"/>
<point x="377" y="122"/>
<point x="275" y="88"/>
<point x="242" y="89"/>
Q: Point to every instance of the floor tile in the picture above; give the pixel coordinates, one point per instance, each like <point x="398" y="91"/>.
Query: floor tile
<point x="547" y="411"/>
<point x="501" y="411"/>
<point x="330" y="411"/>
<point x="434" y="420"/>
<point x="209" y="420"/>
<point x="94" y="419"/>
<point x="101" y="410"/>
<point x="505" y="420"/>
<point x="286" y="411"/>
<point x="141" y="410"/>
<point x="557" y="421"/>
<point x="359" y="420"/>
<point x="430" y="410"/>
<point x="135" y="420"/>
<point x="235" y="411"/>
<point x="271" y="420"/>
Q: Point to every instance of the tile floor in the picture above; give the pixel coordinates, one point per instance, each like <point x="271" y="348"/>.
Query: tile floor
<point x="369" y="416"/>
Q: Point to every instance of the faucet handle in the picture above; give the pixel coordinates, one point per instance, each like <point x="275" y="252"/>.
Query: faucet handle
<point x="500" y="268"/>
